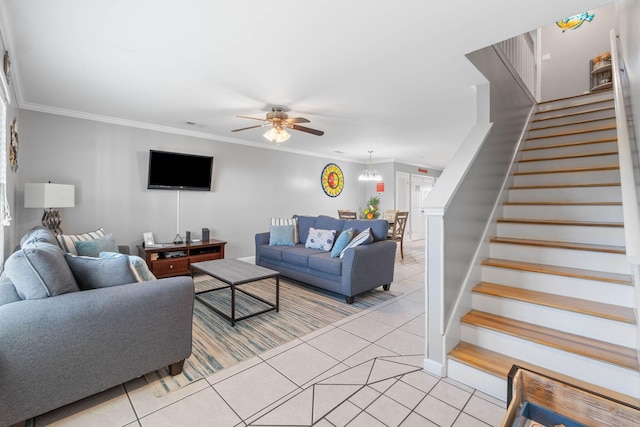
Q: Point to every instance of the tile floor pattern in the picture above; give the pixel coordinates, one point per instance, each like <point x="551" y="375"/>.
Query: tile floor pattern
<point x="365" y="370"/>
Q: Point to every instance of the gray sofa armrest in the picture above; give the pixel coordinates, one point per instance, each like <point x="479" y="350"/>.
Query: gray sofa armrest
<point x="60" y="349"/>
<point x="368" y="266"/>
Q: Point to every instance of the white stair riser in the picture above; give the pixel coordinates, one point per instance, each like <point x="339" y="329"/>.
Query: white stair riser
<point x="571" y="117"/>
<point x="565" y="233"/>
<point x="570" y="127"/>
<point x="588" y="260"/>
<point x="586" y="177"/>
<point x="613" y="377"/>
<point x="480" y="380"/>
<point x="566" y="194"/>
<point x="574" y="137"/>
<point x="571" y="162"/>
<point x="570" y="150"/>
<point x="578" y="104"/>
<point x="591" y="290"/>
<point x="593" y="327"/>
<point x="608" y="213"/>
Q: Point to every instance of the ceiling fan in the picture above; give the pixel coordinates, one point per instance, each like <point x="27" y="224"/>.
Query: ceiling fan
<point x="279" y="120"/>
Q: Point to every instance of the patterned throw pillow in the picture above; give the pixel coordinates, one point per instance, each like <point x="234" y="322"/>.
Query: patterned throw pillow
<point x="364" y="238"/>
<point x="288" y="221"/>
<point x="320" y="239"/>
<point x="67" y="241"/>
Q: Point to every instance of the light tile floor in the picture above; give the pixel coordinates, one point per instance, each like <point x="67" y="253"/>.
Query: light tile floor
<point x="364" y="370"/>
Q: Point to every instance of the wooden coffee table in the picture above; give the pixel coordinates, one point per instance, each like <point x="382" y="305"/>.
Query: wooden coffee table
<point x="235" y="273"/>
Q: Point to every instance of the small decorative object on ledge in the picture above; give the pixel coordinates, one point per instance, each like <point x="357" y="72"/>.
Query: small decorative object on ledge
<point x="371" y="210"/>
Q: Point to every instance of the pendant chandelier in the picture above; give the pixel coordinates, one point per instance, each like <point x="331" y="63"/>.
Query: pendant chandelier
<point x="369" y="174"/>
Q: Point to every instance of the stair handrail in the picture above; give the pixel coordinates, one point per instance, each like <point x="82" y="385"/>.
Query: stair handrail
<point x="630" y="210"/>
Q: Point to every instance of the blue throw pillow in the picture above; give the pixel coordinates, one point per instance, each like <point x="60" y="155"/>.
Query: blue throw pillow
<point x="138" y="266"/>
<point x="94" y="273"/>
<point x="93" y="247"/>
<point x="281" y="235"/>
<point x="341" y="242"/>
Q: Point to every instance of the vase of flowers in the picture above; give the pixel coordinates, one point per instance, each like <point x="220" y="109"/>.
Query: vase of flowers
<point x="371" y="210"/>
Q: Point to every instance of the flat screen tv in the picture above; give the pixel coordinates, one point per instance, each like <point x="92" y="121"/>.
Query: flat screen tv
<point x="179" y="171"/>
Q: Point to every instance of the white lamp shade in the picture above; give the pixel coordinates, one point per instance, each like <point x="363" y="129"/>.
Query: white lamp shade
<point x="47" y="195"/>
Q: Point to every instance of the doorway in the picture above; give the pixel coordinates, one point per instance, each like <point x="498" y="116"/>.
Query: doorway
<point x="420" y="188"/>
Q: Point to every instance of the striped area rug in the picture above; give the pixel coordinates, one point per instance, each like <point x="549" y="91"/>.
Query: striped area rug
<point x="218" y="345"/>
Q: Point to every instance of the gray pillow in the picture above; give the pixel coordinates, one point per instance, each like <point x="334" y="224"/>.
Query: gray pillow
<point x="39" y="270"/>
<point x="93" y="273"/>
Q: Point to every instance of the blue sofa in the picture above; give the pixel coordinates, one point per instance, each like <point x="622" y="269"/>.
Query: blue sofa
<point x="62" y="340"/>
<point x="362" y="268"/>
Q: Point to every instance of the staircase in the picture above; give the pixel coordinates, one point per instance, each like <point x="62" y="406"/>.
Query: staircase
<point x="556" y="293"/>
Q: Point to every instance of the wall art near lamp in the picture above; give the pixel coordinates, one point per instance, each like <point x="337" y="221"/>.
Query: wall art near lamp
<point x="332" y="180"/>
<point x="13" y="146"/>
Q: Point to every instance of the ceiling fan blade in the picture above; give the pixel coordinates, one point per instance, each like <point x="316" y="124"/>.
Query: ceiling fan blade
<point x="252" y="118"/>
<point x="296" y="120"/>
<point x="250" y="127"/>
<point x="306" y="129"/>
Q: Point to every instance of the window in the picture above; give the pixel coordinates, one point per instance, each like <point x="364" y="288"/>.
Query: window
<point x="5" y="213"/>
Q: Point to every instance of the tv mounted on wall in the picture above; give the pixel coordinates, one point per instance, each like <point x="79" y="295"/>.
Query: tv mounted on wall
<point x="179" y="171"/>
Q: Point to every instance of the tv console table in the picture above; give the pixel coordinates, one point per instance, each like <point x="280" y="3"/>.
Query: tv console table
<point x="167" y="260"/>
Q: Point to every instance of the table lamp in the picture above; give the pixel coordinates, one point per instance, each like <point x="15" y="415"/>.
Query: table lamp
<point x="50" y="197"/>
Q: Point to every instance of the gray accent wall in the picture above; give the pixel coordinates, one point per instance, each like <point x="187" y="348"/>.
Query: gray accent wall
<point x="108" y="165"/>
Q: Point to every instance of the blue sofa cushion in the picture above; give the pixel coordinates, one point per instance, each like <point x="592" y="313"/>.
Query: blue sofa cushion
<point x="39" y="270"/>
<point x="325" y="262"/>
<point x="330" y="223"/>
<point x="39" y="234"/>
<point x="94" y="273"/>
<point x="272" y="252"/>
<point x="8" y="292"/>
<point x="379" y="227"/>
<point x="298" y="255"/>
<point x="304" y="223"/>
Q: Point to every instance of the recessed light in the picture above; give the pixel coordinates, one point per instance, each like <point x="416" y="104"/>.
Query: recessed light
<point x="339" y="152"/>
<point x="191" y="123"/>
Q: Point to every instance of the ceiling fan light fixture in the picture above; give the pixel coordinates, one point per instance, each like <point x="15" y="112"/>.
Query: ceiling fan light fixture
<point x="277" y="135"/>
<point x="370" y="174"/>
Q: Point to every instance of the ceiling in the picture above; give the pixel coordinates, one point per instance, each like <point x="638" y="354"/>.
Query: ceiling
<point x="391" y="77"/>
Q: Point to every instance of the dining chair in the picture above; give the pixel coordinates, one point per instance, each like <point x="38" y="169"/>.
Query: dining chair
<point x="346" y="214"/>
<point x="397" y="234"/>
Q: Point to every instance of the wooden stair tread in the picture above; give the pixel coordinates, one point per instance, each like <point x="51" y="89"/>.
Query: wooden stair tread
<point x="573" y="132"/>
<point x="499" y="365"/>
<point x="589" y="184"/>
<point x="561" y="222"/>
<point x="568" y="170"/>
<point x="572" y="144"/>
<point x="569" y="156"/>
<point x="572" y="343"/>
<point x="599" y="101"/>
<point x="561" y="203"/>
<point x="578" y="273"/>
<point x="567" y="115"/>
<point x="580" y="122"/>
<point x="576" y="305"/>
<point x="561" y="245"/>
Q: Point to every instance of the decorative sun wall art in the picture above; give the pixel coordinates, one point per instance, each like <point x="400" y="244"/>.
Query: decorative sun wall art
<point x="332" y="180"/>
<point x="575" y="21"/>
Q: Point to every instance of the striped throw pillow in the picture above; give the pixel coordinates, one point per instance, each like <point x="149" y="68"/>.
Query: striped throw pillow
<point x="67" y="241"/>
<point x="288" y="221"/>
<point x="363" y="238"/>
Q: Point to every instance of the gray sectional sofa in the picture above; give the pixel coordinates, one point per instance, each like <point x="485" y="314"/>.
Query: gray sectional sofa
<point x="361" y="268"/>
<point x="60" y="343"/>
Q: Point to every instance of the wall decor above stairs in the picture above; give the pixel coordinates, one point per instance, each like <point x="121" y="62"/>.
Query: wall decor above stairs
<point x="556" y="292"/>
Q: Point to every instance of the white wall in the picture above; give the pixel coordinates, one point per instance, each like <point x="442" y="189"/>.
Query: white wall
<point x="567" y="72"/>
<point x="108" y="165"/>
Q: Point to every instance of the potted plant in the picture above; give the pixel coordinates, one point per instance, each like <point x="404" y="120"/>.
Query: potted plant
<point x="602" y="60"/>
<point x="371" y="210"/>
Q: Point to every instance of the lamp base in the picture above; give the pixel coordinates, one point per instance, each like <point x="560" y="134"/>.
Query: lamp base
<point x="52" y="220"/>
